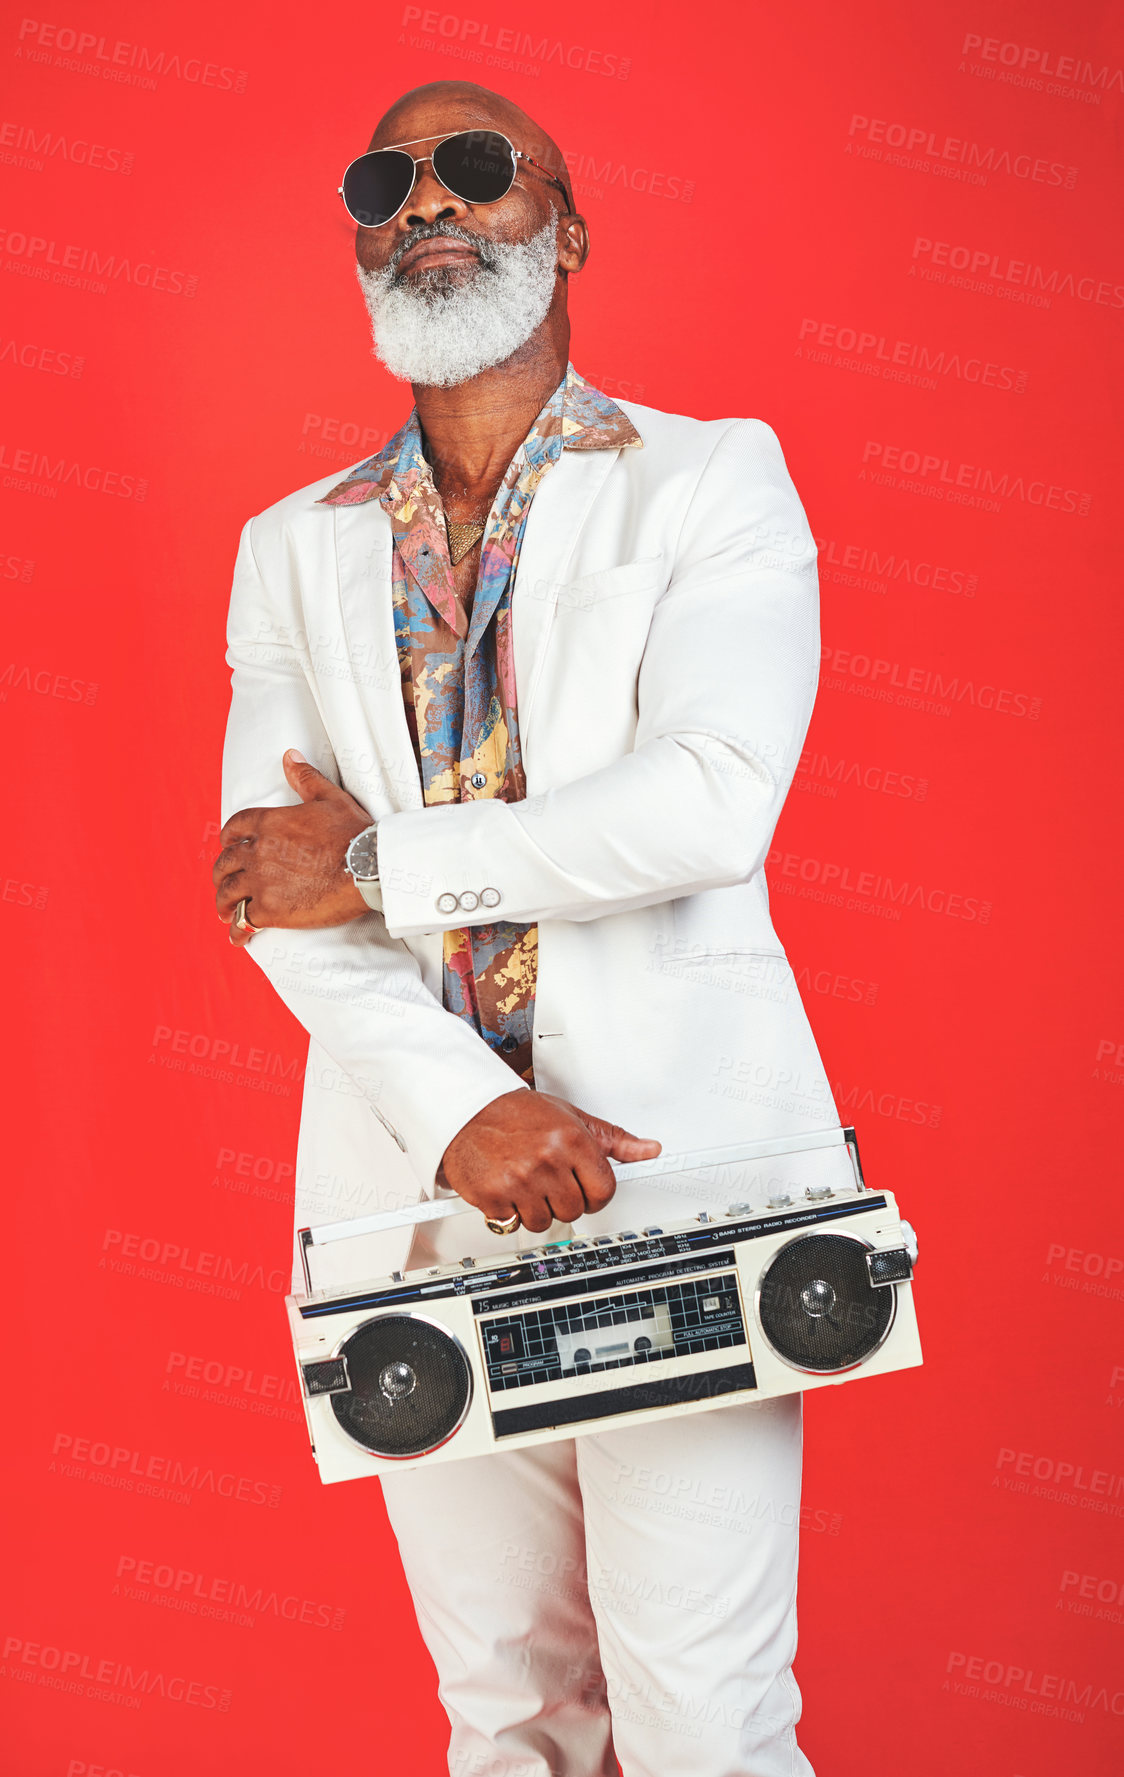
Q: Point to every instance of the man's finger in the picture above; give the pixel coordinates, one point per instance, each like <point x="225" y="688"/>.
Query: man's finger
<point x="597" y="1180"/>
<point x="535" y="1215"/>
<point x="241" y="826"/>
<point x="619" y="1143"/>
<point x="565" y="1200"/>
<point x="310" y="785"/>
<point x="230" y="861"/>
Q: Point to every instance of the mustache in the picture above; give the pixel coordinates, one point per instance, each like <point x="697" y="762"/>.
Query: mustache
<point x="436" y="231"/>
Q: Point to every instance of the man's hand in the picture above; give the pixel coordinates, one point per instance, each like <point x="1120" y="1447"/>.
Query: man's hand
<point x="532" y="1152"/>
<point x="288" y="863"/>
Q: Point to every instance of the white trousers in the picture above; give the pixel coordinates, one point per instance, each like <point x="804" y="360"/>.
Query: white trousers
<point x="628" y="1595"/>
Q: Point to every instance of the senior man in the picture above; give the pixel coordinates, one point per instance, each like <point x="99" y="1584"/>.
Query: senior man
<point x="516" y="704"/>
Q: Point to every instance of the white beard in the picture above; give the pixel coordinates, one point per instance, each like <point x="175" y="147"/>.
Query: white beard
<point x="435" y="332"/>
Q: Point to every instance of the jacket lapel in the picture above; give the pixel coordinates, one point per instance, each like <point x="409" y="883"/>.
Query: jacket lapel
<point x="364" y="546"/>
<point x="554" y="523"/>
<point x="364" y="543"/>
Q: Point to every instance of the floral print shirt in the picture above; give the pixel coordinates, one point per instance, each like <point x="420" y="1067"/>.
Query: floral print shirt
<point x="458" y="677"/>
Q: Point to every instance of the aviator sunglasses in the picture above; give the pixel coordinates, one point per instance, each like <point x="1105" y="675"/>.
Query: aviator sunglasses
<point x="478" y="166"/>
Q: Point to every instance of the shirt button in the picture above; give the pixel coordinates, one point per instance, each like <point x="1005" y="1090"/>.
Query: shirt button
<point x="469" y="901"/>
<point x="489" y="897"/>
<point x="478" y="781"/>
<point x="446" y="903"/>
<point x="510" y="1045"/>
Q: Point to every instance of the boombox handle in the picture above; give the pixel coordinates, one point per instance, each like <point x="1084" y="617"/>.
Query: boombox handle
<point x="434" y="1211"/>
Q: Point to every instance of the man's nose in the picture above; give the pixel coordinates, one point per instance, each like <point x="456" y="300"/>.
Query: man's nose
<point x="430" y="201"/>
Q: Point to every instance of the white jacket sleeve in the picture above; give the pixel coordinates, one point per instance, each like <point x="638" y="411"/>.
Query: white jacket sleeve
<point x="422" y="1070"/>
<point x="725" y="694"/>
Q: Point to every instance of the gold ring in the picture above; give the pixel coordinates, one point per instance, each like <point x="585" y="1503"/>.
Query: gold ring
<point x="513" y="1221"/>
<point x="240" y="919"/>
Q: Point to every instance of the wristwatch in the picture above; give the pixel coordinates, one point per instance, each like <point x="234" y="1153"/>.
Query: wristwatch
<point x="362" y="861"/>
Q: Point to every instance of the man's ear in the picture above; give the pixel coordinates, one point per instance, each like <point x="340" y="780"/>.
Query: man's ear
<point x="573" y="255"/>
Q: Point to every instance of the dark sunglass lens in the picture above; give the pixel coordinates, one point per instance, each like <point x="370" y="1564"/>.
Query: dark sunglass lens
<point x="477" y="166"/>
<point x="376" y="186"/>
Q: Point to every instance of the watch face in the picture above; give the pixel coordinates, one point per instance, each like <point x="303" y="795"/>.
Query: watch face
<point x="362" y="857"/>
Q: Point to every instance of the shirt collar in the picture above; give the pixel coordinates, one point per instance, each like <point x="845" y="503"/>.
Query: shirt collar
<point x="587" y="418"/>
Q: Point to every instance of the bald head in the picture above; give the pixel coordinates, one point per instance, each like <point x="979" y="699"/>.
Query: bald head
<point x="447" y="105"/>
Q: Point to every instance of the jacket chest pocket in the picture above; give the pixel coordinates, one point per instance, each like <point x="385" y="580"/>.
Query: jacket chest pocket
<point x="600" y="622"/>
<point x="585" y="702"/>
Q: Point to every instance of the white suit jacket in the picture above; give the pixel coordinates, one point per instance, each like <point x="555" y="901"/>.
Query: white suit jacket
<point x="666" y="637"/>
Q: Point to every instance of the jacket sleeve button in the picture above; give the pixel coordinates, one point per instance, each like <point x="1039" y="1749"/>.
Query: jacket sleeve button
<point x="469" y="901"/>
<point x="489" y="897"/>
<point x="446" y="903"/>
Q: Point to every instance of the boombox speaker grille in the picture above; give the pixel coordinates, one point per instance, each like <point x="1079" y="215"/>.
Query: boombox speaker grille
<point x="410" y="1386"/>
<point x="817" y="1305"/>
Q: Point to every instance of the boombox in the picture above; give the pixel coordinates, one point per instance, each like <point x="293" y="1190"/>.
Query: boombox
<point x="734" y="1304"/>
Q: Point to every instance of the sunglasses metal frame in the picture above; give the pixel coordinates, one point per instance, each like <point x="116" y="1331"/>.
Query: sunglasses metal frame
<point x="517" y="154"/>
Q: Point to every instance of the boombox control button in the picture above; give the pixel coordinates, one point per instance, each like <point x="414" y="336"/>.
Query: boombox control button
<point x="603" y="1239"/>
<point x="779" y="1199"/>
<point x="468" y="1264"/>
<point x="817" y="1193"/>
<point x="704" y="1215"/>
<point x="650" y="1233"/>
<point x="627" y="1234"/>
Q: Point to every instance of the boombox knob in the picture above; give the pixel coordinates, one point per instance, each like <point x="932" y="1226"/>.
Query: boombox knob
<point x="909" y="1240"/>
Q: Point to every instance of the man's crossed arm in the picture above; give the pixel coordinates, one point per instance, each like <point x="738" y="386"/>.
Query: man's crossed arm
<point x="525" y="1151"/>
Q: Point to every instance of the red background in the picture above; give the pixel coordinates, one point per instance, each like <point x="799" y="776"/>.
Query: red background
<point x="962" y="1556"/>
